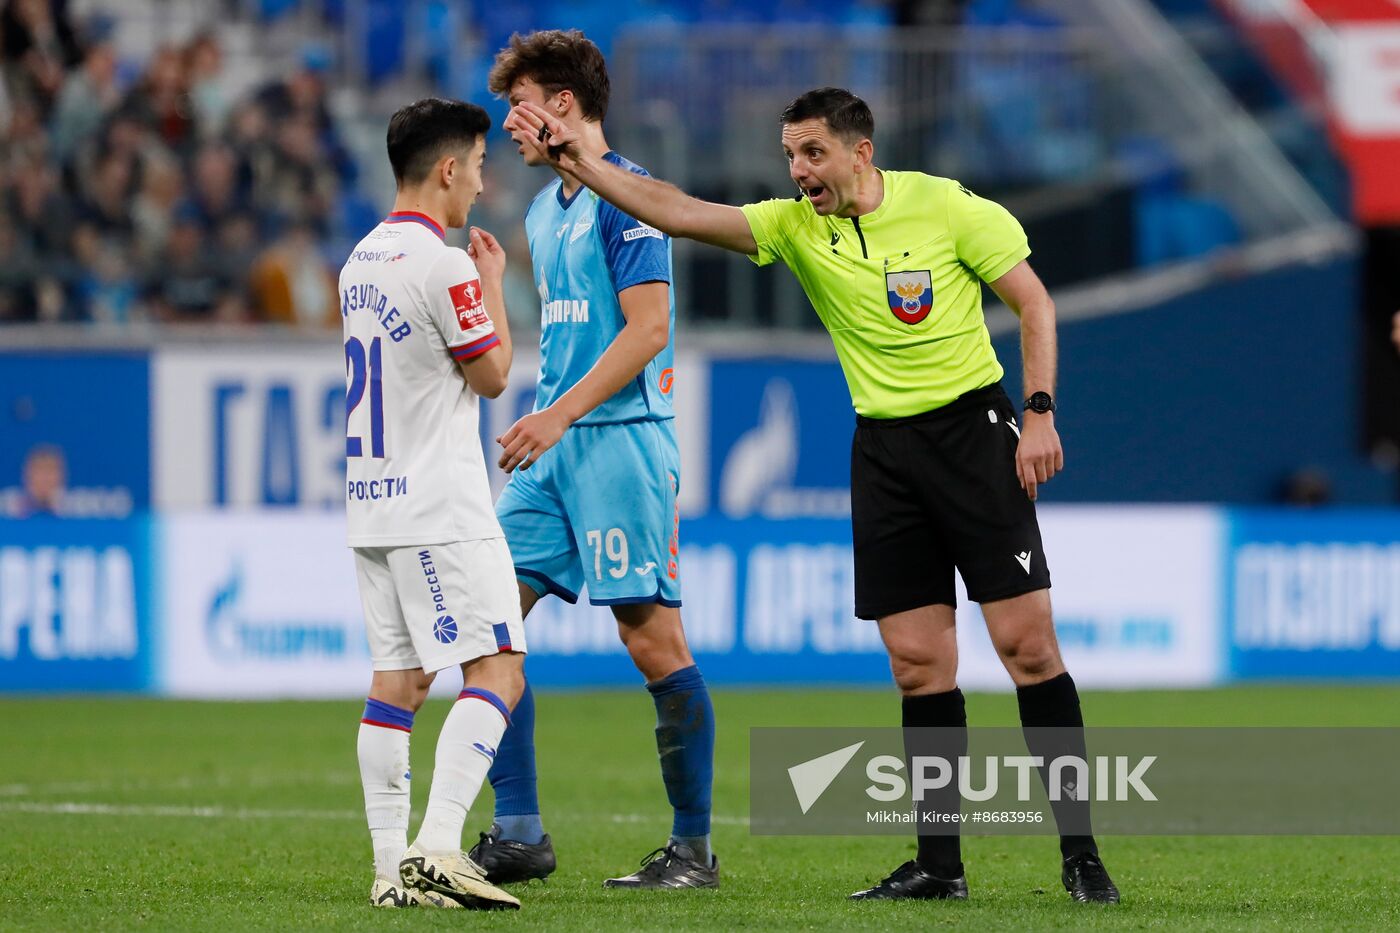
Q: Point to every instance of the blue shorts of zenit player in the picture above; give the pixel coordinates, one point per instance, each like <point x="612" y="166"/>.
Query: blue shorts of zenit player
<point x="599" y="508"/>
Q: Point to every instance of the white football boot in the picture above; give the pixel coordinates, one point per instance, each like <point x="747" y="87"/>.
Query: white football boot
<point x="455" y="876"/>
<point x="387" y="894"/>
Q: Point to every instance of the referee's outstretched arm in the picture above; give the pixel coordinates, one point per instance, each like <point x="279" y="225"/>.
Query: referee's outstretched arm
<point x="654" y="202"/>
<point x="1038" y="455"/>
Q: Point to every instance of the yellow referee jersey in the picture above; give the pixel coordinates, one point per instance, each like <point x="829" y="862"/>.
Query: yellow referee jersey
<point x="898" y="288"/>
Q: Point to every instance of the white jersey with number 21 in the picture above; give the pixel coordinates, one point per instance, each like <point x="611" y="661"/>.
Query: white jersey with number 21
<point x="414" y="469"/>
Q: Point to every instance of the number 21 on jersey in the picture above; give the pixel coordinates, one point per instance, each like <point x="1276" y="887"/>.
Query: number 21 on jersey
<point x="365" y="370"/>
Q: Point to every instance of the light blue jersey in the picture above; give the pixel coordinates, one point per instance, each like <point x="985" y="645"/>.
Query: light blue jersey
<point x="599" y="508"/>
<point x="584" y="252"/>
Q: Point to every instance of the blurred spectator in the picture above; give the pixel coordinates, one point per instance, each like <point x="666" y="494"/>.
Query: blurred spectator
<point x="89" y="95"/>
<point x="42" y="213"/>
<point x="153" y="210"/>
<point x="302" y="96"/>
<point x="38" y="47"/>
<point x="291" y="283"/>
<point x="45" y="479"/>
<point x="250" y="139"/>
<point x="236" y="245"/>
<point x="204" y="66"/>
<point x="18" y="271"/>
<point x="300" y="184"/>
<point x="189" y="286"/>
<point x="103" y="285"/>
<point x="107" y="200"/>
<point x="124" y="134"/>
<point x="214" y="197"/>
<point x="160" y="101"/>
<point x="25" y="138"/>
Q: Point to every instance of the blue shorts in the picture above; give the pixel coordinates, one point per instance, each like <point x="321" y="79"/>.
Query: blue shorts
<point x="599" y="508"/>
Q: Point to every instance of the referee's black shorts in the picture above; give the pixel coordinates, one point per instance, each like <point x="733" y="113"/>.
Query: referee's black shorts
<point x="938" y="491"/>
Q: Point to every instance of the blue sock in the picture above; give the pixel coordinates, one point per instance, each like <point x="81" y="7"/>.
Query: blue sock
<point x="512" y="776"/>
<point x="685" y="740"/>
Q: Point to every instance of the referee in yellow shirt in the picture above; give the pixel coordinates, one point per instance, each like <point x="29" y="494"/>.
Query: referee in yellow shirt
<point x="943" y="474"/>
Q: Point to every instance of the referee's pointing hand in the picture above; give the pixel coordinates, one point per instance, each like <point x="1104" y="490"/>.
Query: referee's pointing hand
<point x="1038" y="454"/>
<point x="531" y="126"/>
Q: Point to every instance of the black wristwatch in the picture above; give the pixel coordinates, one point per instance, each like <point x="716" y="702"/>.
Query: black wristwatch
<point x="1040" y="403"/>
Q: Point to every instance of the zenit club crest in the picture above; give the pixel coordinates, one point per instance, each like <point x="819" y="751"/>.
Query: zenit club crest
<point x="910" y="295"/>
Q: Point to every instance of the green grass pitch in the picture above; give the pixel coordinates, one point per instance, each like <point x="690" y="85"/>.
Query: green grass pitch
<point x="159" y="815"/>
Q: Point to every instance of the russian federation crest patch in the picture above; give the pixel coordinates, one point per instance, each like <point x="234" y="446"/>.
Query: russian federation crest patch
<point x="910" y="295"/>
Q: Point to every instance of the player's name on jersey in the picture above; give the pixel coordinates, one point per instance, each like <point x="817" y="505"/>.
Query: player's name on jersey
<point x="565" y="311"/>
<point x="367" y="297"/>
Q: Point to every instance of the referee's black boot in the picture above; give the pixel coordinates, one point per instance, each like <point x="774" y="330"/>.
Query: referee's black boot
<point x="910" y="880"/>
<point x="507" y="861"/>
<point x="1087" y="880"/>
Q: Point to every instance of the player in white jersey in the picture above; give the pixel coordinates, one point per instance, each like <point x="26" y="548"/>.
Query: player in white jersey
<point x="425" y="335"/>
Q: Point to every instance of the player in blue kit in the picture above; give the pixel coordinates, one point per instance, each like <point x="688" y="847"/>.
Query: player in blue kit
<point x="596" y="471"/>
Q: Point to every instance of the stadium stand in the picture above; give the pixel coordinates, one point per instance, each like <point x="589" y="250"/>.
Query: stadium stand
<point x="168" y="174"/>
<point x="144" y="190"/>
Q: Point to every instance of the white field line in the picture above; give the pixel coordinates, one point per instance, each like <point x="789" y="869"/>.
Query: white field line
<point x="67" y="787"/>
<point x="184" y="783"/>
<point x="207" y="813"/>
<point x="87" y="808"/>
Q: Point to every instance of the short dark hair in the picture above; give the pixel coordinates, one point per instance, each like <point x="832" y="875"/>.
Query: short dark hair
<point x="556" y="60"/>
<point x="848" y="116"/>
<point x="424" y="131"/>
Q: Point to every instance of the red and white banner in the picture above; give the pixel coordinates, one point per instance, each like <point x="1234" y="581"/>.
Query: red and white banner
<point x="1343" y="55"/>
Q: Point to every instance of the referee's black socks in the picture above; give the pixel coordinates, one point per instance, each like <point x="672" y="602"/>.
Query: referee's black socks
<point x="1054" y="727"/>
<point x="941" y="856"/>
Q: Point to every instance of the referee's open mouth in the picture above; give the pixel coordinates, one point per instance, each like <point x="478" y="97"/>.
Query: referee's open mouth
<point x="814" y="193"/>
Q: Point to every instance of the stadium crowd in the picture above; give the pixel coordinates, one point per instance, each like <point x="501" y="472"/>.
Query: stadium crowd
<point x="151" y="195"/>
<point x="134" y="191"/>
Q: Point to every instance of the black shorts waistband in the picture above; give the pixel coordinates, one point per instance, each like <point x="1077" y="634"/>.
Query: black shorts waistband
<point x="968" y="400"/>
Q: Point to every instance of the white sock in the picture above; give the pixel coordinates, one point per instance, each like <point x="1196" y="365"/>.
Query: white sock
<point x="383" y="751"/>
<point x="465" y="751"/>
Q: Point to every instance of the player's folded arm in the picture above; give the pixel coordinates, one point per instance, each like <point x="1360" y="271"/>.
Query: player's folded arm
<point x="482" y="357"/>
<point x="485" y="372"/>
<point x="457" y="304"/>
